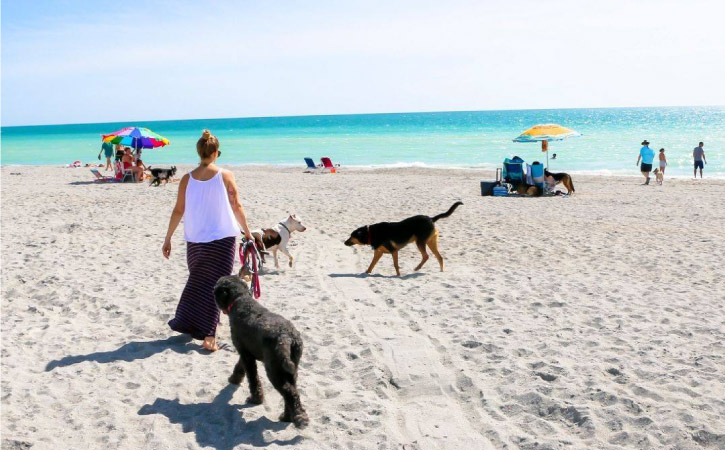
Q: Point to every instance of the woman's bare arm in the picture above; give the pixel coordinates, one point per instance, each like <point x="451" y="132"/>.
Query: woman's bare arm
<point x="176" y="215"/>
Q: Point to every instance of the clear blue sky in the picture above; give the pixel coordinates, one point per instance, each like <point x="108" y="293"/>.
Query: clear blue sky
<point x="99" y="61"/>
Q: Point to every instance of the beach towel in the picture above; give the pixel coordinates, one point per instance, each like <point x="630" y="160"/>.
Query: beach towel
<point x="197" y="313"/>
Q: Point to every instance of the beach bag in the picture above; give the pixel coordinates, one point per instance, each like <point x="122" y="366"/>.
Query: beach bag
<point x="487" y="187"/>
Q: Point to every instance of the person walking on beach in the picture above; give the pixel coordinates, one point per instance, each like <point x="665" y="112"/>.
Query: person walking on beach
<point x="647" y="155"/>
<point x="107" y="150"/>
<point x="698" y="154"/>
<point x="663" y="161"/>
<point x="208" y="200"/>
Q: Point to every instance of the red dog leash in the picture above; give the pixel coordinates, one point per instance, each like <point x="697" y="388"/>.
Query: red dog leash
<point x="248" y="257"/>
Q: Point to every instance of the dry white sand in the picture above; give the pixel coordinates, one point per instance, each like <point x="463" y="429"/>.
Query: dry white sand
<point x="594" y="321"/>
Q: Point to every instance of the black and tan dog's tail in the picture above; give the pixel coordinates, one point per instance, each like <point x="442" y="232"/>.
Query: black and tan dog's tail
<point x="447" y="213"/>
<point x="289" y="351"/>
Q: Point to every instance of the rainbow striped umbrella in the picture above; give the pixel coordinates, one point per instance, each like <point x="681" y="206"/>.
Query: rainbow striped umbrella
<point x="136" y="138"/>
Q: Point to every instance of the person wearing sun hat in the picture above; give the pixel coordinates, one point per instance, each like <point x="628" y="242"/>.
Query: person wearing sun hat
<point x="647" y="155"/>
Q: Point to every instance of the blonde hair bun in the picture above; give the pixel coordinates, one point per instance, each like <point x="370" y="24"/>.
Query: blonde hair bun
<point x="207" y="144"/>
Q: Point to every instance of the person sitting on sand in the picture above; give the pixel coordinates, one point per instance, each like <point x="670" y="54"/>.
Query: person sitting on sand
<point x="208" y="200"/>
<point x="647" y="155"/>
<point x="141" y="165"/>
<point x="127" y="162"/>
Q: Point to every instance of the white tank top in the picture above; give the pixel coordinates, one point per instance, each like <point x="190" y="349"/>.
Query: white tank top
<point x="208" y="215"/>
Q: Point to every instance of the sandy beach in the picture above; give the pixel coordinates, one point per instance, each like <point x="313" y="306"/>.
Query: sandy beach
<point x="594" y="321"/>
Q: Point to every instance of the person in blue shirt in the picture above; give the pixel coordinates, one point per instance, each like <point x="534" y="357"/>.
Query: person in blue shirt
<point x="647" y="155"/>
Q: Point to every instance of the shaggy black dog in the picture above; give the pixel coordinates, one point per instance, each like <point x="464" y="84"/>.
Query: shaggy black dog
<point x="261" y="335"/>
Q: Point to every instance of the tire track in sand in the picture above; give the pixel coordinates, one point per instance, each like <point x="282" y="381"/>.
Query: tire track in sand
<point x="428" y="412"/>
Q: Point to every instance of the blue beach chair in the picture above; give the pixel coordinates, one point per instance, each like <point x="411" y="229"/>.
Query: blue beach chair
<point x="513" y="171"/>
<point x="537" y="176"/>
<point x="311" y="167"/>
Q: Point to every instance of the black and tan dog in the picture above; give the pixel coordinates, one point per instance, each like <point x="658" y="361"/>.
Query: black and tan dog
<point x="159" y="175"/>
<point x="261" y="335"/>
<point x="562" y="178"/>
<point x="389" y="237"/>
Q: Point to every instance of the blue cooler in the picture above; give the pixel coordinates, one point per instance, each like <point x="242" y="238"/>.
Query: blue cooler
<point x="500" y="191"/>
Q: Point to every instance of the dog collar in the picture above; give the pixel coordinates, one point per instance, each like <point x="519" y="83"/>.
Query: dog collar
<point x="285" y="227"/>
<point x="370" y="237"/>
<point x="229" y="308"/>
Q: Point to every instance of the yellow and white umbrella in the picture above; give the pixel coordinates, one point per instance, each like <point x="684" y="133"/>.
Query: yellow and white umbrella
<point x="545" y="133"/>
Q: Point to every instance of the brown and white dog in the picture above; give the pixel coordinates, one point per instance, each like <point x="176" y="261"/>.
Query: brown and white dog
<point x="276" y="238"/>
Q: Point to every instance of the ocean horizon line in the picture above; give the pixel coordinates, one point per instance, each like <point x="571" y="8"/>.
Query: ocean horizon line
<point x="297" y="116"/>
<point x="486" y="167"/>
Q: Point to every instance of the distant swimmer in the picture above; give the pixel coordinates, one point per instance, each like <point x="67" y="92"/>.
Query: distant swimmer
<point x="698" y="154"/>
<point x="553" y="156"/>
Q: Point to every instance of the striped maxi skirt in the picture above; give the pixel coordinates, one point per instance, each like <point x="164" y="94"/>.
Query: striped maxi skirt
<point x="197" y="313"/>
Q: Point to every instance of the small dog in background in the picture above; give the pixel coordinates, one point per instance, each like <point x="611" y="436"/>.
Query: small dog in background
<point x="659" y="176"/>
<point x="261" y="335"/>
<point x="159" y="175"/>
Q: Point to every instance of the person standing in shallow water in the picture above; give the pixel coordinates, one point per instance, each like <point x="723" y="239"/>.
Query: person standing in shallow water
<point x="698" y="155"/>
<point x="208" y="200"/>
<point x="647" y="155"/>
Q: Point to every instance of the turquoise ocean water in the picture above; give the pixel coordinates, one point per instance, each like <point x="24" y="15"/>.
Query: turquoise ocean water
<point x="478" y="139"/>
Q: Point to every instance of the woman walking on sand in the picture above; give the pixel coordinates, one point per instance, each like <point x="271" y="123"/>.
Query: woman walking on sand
<point x="208" y="200"/>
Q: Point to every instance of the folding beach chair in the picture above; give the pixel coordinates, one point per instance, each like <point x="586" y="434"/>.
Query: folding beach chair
<point x="537" y="176"/>
<point x="122" y="174"/>
<point x="311" y="167"/>
<point x="513" y="171"/>
<point x="100" y="177"/>
<point x="327" y="165"/>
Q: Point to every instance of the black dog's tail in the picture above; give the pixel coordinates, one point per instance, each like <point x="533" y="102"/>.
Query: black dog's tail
<point x="289" y="351"/>
<point x="447" y="213"/>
